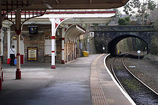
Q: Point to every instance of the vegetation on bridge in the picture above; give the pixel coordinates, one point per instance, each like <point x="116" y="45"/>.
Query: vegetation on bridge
<point x="124" y="21"/>
<point x="154" y="45"/>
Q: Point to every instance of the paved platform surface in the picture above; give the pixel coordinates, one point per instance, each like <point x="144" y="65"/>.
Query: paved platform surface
<point x="68" y="84"/>
<point x="113" y="94"/>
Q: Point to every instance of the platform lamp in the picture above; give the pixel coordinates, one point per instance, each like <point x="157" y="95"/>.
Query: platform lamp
<point x="46" y="4"/>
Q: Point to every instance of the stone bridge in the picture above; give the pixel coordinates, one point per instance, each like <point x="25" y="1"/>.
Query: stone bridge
<point x="109" y="36"/>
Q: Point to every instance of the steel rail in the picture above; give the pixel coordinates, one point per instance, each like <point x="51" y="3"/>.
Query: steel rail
<point x="137" y="77"/>
<point x="112" y="69"/>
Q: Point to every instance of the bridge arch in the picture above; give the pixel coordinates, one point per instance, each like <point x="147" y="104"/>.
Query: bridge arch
<point x="112" y="44"/>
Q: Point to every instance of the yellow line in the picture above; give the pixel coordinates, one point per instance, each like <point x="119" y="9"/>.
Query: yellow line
<point x="97" y="94"/>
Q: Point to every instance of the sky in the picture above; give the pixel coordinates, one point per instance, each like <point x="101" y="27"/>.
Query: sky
<point x="121" y="8"/>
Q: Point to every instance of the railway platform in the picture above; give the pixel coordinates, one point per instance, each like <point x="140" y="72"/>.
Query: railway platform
<point x="84" y="81"/>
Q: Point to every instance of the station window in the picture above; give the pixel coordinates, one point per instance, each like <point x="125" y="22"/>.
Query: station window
<point x="47" y="44"/>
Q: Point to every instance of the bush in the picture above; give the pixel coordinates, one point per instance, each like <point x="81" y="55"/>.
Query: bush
<point x="127" y="19"/>
<point x="124" y="21"/>
<point x="154" y="45"/>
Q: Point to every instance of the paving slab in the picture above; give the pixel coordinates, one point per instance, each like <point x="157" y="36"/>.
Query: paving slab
<point x="68" y="84"/>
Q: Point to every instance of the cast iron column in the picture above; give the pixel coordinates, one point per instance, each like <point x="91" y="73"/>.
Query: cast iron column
<point x="1" y="73"/>
<point x="18" y="31"/>
<point x="63" y="38"/>
<point x="53" y="43"/>
<point x="8" y="41"/>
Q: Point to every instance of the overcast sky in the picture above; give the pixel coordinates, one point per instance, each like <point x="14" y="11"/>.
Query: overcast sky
<point x="121" y="8"/>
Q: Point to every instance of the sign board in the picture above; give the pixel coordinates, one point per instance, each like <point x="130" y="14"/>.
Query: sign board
<point x="91" y="34"/>
<point x="32" y="53"/>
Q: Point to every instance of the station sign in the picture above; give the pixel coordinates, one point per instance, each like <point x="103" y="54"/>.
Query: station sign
<point x="91" y="34"/>
<point x="32" y="53"/>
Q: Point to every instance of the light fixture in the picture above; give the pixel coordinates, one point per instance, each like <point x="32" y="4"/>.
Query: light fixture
<point x="45" y="3"/>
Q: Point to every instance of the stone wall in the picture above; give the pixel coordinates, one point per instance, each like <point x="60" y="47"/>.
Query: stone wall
<point x="34" y="40"/>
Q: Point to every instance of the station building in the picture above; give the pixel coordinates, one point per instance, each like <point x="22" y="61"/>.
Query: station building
<point x="72" y="36"/>
<point x="54" y="42"/>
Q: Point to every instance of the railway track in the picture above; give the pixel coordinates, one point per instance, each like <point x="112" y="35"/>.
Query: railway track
<point x="137" y="90"/>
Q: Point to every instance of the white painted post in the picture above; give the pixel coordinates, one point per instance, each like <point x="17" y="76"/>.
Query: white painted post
<point x="67" y="53"/>
<point x="53" y="43"/>
<point x="1" y="43"/>
<point x="75" y="50"/>
<point x="8" y="40"/>
<point x="63" y="38"/>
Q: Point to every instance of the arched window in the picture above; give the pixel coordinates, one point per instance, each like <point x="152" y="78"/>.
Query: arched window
<point x="47" y="44"/>
<point x="14" y="42"/>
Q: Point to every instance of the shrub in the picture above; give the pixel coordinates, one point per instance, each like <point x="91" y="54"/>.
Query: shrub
<point x="154" y="45"/>
<point x="124" y="21"/>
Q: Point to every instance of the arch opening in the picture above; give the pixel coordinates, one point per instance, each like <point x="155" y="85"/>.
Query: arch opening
<point x="127" y="43"/>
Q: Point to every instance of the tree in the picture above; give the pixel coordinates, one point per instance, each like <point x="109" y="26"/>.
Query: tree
<point x="154" y="45"/>
<point x="140" y="9"/>
<point x="154" y="18"/>
<point x="151" y="5"/>
<point x="127" y="19"/>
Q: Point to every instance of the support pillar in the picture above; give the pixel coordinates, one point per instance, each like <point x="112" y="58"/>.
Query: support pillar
<point x="80" y="48"/>
<point x="55" y="23"/>
<point x="66" y="53"/>
<point x="1" y="43"/>
<point x="75" y="50"/>
<point x="1" y="72"/>
<point x="18" y="31"/>
<point x="18" y="72"/>
<point x="53" y="43"/>
<point x="63" y="39"/>
<point x="8" y="41"/>
<point x="1" y="51"/>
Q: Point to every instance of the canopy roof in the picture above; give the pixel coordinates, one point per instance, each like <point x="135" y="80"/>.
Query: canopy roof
<point x="61" y="4"/>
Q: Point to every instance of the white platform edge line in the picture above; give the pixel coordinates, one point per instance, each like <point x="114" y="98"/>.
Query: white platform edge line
<point x="126" y="95"/>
